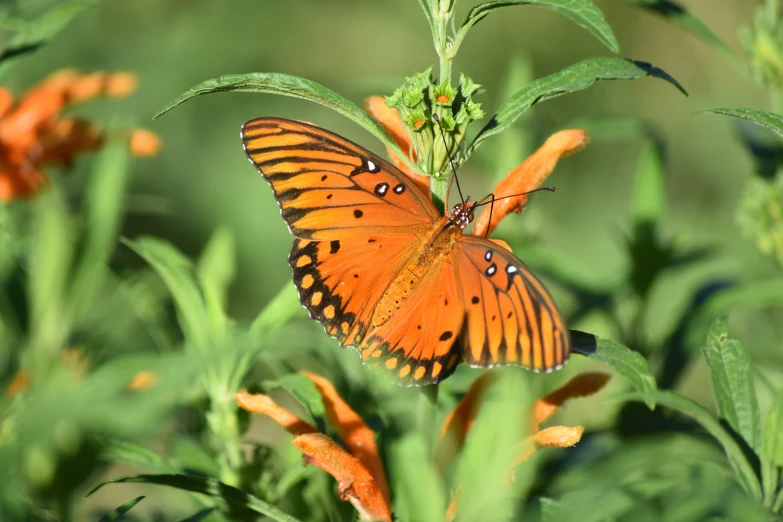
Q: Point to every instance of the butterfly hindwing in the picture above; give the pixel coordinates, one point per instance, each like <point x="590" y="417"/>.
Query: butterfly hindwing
<point x="417" y="342"/>
<point x="330" y="188"/>
<point x="510" y="316"/>
<point x="341" y="281"/>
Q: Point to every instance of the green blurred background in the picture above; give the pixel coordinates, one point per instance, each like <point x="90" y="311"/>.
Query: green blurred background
<point x="202" y="180"/>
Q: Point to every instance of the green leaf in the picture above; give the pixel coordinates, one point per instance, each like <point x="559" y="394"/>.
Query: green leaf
<point x="178" y="274"/>
<point x="418" y="489"/>
<point x="678" y="15"/>
<point x="277" y="312"/>
<point x="629" y="363"/>
<point x="294" y="86"/>
<point x="49" y="270"/>
<point x="31" y="35"/>
<point x="649" y="193"/>
<point x="105" y="191"/>
<point x="742" y="468"/>
<point x="769" y="120"/>
<point x="772" y="450"/>
<point x="120" y="511"/>
<point x="201" y="515"/>
<point x="574" y="78"/>
<point x="773" y="433"/>
<point x="583" y="12"/>
<point x="216" y="269"/>
<point x="303" y="391"/>
<point x="732" y="383"/>
<point x="206" y="486"/>
<point x="115" y="450"/>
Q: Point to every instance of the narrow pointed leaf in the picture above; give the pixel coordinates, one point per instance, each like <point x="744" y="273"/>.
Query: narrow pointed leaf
<point x="571" y="79"/>
<point x="201" y="515"/>
<point x="296" y="87"/>
<point x="742" y="468"/>
<point x="773" y="433"/>
<point x="583" y="12"/>
<point x="768" y="120"/>
<point x="649" y="195"/>
<point x="121" y="510"/>
<point x="732" y="383"/>
<point x="206" y="486"/>
<point x="629" y="363"/>
<point x="178" y="274"/>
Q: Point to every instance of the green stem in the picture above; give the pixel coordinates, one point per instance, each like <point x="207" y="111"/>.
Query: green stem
<point x="777" y="507"/>
<point x="427" y="414"/>
<point x="769" y="482"/>
<point x="438" y="187"/>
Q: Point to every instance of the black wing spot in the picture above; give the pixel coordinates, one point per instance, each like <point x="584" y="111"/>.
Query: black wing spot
<point x="371" y="240"/>
<point x="509" y="315"/>
<point x="334" y="247"/>
<point x="357" y="213"/>
<point x="356" y="276"/>
<point x="323" y="178"/>
<point x="445" y="336"/>
<point x="494" y="317"/>
<point x="475" y="300"/>
<point x="381" y="189"/>
<point x="329" y="196"/>
<point x="399" y="189"/>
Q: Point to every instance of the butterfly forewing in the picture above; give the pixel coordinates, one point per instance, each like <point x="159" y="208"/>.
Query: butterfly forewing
<point x="330" y="188"/>
<point x="510" y="316"/>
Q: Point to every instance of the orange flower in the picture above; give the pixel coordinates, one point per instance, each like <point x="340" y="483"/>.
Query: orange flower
<point x="391" y="122"/>
<point x="34" y="134"/>
<point x="359" y="471"/>
<point x="529" y="175"/>
<point x="144" y="143"/>
<point x="457" y="425"/>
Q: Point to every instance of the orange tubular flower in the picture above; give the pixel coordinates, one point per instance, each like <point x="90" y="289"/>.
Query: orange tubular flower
<point x="458" y="423"/>
<point x="355" y="484"/>
<point x="33" y="134"/>
<point x="529" y="175"/>
<point x="358" y="471"/>
<point x="391" y="122"/>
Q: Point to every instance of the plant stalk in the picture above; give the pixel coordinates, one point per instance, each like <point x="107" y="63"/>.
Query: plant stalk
<point x="427" y="415"/>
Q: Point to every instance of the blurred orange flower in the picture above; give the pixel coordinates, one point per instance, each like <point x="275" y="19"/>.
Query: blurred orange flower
<point x="358" y="468"/>
<point x="34" y="133"/>
<point x="529" y="175"/>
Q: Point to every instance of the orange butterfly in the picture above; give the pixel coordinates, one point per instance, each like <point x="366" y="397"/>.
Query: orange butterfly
<point x="382" y="270"/>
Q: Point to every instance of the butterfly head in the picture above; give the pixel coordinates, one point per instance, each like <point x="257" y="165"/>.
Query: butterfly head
<point x="462" y="213"/>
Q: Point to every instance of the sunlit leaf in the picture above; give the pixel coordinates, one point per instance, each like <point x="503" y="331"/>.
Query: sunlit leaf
<point x="207" y="486"/>
<point x="732" y="383"/>
<point x="105" y="193"/>
<point x="277" y="312"/>
<point x="178" y="273"/>
<point x="419" y="492"/>
<point x="215" y="269"/>
<point x="121" y="510"/>
<point x="287" y="85"/>
<point x="773" y="433"/>
<point x="574" y="78"/>
<point x="583" y="12"/>
<point x="629" y="363"/>
<point x="768" y="120"/>
<point x="742" y="468"/>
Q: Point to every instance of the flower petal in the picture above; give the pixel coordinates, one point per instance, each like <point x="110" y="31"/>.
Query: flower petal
<point x="528" y="176"/>
<point x="458" y="423"/>
<point x="358" y="438"/>
<point x="582" y="385"/>
<point x="264" y="405"/>
<point x="355" y="483"/>
<point x="144" y="143"/>
<point x="389" y="119"/>
<point x="559" y="436"/>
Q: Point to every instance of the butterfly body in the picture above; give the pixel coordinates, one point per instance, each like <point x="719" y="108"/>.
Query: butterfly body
<point x="382" y="270"/>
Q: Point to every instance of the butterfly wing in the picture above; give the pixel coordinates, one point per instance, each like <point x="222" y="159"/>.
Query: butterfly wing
<point x="510" y="316"/>
<point x="340" y="282"/>
<point x="330" y="188"/>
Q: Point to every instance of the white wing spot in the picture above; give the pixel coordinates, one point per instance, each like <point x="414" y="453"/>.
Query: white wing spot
<point x="488" y="255"/>
<point x="492" y="269"/>
<point x="511" y="269"/>
<point x="372" y="167"/>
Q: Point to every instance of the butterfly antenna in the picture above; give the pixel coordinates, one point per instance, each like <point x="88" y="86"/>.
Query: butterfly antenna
<point x="451" y="161"/>
<point x="492" y="200"/>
